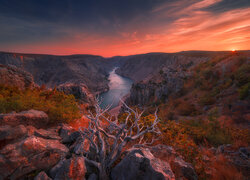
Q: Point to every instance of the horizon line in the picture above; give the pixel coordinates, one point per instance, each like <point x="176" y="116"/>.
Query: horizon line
<point x="45" y="54"/>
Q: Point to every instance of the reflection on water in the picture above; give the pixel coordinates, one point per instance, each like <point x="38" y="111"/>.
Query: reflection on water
<point x="118" y="87"/>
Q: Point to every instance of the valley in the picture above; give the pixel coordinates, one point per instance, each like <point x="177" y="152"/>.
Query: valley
<point x="200" y="98"/>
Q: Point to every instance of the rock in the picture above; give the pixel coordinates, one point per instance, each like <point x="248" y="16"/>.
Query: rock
<point x="80" y="91"/>
<point x="13" y="76"/>
<point x="9" y="133"/>
<point x="245" y="152"/>
<point x="73" y="168"/>
<point x="183" y="170"/>
<point x="42" y="176"/>
<point x="71" y="138"/>
<point x="166" y="153"/>
<point x="141" y="164"/>
<point x="28" y="155"/>
<point x="93" y="177"/>
<point x="65" y="132"/>
<point x="32" y="117"/>
<point x="47" y="134"/>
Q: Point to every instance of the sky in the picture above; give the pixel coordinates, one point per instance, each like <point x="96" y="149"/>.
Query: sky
<point x="123" y="27"/>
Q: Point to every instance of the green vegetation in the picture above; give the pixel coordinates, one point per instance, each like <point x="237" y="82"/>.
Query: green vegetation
<point x="242" y="75"/>
<point x="59" y="106"/>
<point x="244" y="91"/>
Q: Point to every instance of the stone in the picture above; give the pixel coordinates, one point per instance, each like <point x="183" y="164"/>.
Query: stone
<point x="141" y="164"/>
<point x="47" y="134"/>
<point x="32" y="117"/>
<point x="93" y="176"/>
<point x="28" y="155"/>
<point x="9" y="133"/>
<point x="183" y="170"/>
<point x="42" y="176"/>
<point x="73" y="168"/>
<point x="65" y="132"/>
<point x="13" y="76"/>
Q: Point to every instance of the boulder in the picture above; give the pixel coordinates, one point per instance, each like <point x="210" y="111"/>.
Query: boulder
<point x="32" y="117"/>
<point x="141" y="164"/>
<point x="183" y="170"/>
<point x="13" y="76"/>
<point x="93" y="176"/>
<point x="71" y="138"/>
<point x="73" y="168"/>
<point x="64" y="132"/>
<point x="79" y="90"/>
<point x="47" y="134"/>
<point x="42" y="176"/>
<point x="28" y="155"/>
<point x="9" y="133"/>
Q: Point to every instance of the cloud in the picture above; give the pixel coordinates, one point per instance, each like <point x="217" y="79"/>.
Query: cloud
<point x="114" y="27"/>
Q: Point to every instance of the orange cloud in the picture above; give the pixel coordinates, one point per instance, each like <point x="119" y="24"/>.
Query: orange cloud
<point x="190" y="28"/>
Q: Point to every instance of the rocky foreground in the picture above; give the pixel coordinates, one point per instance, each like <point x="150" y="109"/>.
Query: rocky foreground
<point x="28" y="150"/>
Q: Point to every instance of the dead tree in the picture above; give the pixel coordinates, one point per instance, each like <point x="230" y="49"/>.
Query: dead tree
<point x="108" y="137"/>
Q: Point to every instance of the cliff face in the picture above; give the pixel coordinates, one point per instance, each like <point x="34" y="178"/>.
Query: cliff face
<point x="56" y="70"/>
<point x="157" y="75"/>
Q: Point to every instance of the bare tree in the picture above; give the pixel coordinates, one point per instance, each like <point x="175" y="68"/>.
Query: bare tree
<point x="108" y="137"/>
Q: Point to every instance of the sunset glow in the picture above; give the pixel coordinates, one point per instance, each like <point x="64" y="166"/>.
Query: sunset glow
<point x="109" y="30"/>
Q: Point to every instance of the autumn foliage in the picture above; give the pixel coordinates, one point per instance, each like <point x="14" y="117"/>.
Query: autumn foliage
<point x="59" y="106"/>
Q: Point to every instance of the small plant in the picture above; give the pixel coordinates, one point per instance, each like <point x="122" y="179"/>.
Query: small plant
<point x="242" y="75"/>
<point x="186" y="109"/>
<point x="244" y="91"/>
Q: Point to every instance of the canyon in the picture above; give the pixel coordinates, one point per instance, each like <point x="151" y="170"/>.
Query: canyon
<point x="200" y="98"/>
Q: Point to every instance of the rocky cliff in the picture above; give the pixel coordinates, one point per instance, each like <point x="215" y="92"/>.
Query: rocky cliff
<point x="56" y="70"/>
<point x="157" y="75"/>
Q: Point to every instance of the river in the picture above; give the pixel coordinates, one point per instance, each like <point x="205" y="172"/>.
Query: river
<point x="118" y="87"/>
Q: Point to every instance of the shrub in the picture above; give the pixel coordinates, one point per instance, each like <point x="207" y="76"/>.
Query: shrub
<point x="242" y="75"/>
<point x="59" y="106"/>
<point x="207" y="99"/>
<point x="186" y="109"/>
<point x="244" y="91"/>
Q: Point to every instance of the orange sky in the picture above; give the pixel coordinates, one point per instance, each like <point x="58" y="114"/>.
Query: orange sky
<point x="190" y="28"/>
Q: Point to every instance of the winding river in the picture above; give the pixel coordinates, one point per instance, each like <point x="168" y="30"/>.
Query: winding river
<point x="118" y="87"/>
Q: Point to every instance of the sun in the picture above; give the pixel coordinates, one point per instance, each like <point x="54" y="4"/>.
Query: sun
<point x="233" y="50"/>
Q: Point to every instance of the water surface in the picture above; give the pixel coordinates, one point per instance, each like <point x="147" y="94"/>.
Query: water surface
<point x="118" y="87"/>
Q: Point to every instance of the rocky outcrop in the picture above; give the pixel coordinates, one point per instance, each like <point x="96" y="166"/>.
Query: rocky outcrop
<point x="141" y="164"/>
<point x="157" y="75"/>
<point x="13" y="76"/>
<point x="180" y="168"/>
<point x="57" y="153"/>
<point x="31" y="117"/>
<point x="28" y="155"/>
<point x="80" y="91"/>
